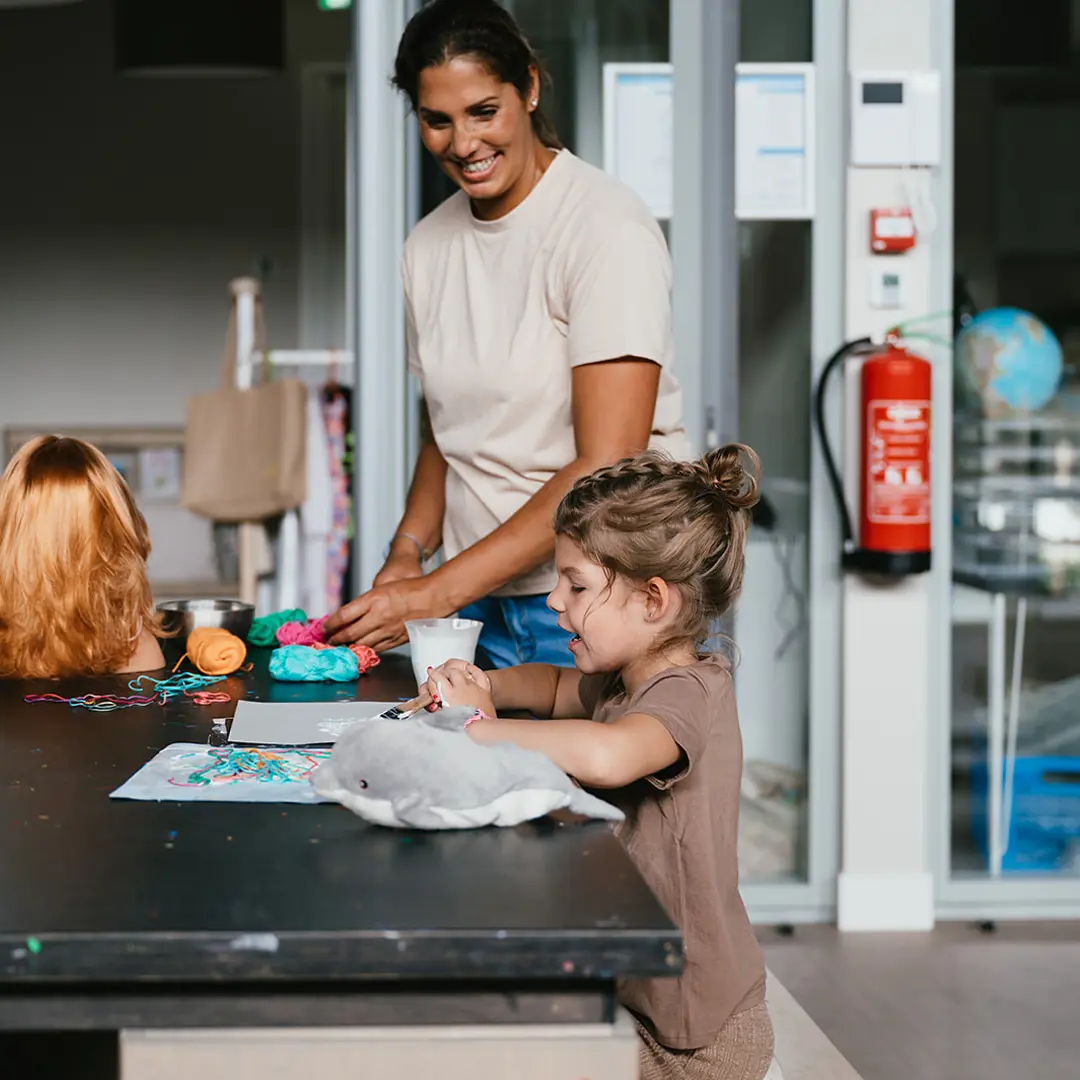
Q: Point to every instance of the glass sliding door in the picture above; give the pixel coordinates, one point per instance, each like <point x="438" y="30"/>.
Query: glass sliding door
<point x="774" y="375"/>
<point x="1009" y="830"/>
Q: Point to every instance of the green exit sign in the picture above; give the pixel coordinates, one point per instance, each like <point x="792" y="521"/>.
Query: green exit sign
<point x="335" y="5"/>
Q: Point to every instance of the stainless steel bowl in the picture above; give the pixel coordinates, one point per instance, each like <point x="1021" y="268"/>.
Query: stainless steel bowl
<point x="183" y="616"/>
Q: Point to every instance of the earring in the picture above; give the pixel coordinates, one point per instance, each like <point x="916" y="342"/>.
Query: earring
<point x="534" y="102"/>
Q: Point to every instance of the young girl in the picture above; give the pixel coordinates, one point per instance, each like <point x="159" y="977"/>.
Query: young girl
<point x="74" y="596"/>
<point x="649" y="553"/>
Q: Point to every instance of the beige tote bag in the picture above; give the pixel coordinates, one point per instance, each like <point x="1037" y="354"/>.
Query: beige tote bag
<point x="244" y="450"/>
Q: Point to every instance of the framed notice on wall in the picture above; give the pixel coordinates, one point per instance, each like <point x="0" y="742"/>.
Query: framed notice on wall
<point x="774" y="142"/>
<point x="774" y="137"/>
<point x="639" y="131"/>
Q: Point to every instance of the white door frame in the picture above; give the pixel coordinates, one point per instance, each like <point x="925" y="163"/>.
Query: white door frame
<point x="379" y="186"/>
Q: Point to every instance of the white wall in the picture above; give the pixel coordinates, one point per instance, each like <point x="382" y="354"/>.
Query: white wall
<point x="886" y="880"/>
<point x="125" y="208"/>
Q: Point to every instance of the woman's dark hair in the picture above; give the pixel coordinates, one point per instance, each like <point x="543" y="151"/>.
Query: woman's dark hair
<point x="483" y="29"/>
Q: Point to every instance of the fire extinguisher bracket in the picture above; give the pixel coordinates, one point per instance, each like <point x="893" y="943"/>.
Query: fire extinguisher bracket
<point x="886" y="563"/>
<point x="894" y="523"/>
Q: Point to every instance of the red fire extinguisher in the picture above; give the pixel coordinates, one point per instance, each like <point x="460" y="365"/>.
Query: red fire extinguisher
<point x="894" y="523"/>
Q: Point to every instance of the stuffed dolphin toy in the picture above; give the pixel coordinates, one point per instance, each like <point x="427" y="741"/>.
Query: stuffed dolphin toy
<point x="424" y="772"/>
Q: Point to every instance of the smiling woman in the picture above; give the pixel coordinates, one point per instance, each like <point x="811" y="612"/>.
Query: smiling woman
<point x="475" y="84"/>
<point x="539" y="325"/>
<point x="479" y="138"/>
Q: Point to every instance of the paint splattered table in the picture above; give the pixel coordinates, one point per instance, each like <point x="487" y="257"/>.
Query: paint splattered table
<point x="196" y="928"/>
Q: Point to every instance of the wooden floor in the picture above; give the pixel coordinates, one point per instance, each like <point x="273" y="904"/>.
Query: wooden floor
<point x="950" y="1005"/>
<point x="803" y="1051"/>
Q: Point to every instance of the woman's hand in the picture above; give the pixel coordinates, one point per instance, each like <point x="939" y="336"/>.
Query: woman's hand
<point x="399" y="566"/>
<point x="378" y="617"/>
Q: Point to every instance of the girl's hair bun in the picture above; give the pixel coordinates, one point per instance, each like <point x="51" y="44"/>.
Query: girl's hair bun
<point x="732" y="472"/>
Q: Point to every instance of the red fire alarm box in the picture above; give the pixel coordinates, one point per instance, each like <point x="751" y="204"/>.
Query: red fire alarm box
<point x="892" y="231"/>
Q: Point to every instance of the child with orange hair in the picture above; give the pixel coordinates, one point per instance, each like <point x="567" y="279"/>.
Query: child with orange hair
<point x="74" y="595"/>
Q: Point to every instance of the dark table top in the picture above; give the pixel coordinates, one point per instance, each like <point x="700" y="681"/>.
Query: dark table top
<point x="98" y="889"/>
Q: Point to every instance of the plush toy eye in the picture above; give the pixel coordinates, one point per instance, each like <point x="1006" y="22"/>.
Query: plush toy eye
<point x="363" y="783"/>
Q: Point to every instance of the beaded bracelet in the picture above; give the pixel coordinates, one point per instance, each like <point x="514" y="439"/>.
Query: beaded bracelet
<point x="478" y="715"/>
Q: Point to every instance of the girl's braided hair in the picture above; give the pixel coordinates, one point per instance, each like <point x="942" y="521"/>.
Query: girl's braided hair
<point x="685" y="522"/>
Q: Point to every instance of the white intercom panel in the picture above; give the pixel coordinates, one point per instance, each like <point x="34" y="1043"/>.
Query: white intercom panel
<point x="896" y="118"/>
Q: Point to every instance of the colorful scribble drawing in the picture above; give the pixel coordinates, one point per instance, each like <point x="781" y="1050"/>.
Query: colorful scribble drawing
<point x="236" y="765"/>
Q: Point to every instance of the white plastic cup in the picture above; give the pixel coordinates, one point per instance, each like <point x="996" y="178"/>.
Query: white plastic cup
<point x="434" y="641"/>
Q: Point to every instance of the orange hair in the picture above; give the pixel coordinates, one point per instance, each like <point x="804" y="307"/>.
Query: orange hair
<point x="74" y="595"/>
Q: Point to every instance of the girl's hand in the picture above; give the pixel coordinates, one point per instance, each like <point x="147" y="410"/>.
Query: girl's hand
<point x="464" y="668"/>
<point x="430" y="695"/>
<point x="457" y="683"/>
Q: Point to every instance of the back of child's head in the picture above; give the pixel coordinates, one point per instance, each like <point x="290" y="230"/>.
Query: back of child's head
<point x="74" y="594"/>
<point x="684" y="522"/>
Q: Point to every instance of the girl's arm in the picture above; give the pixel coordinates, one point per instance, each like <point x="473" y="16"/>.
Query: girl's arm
<point x="542" y="690"/>
<point x="597" y="755"/>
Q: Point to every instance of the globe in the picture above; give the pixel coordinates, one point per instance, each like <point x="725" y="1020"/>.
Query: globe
<point x="1008" y="362"/>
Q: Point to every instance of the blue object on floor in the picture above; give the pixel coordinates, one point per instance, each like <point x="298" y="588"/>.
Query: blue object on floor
<point x="1045" y="823"/>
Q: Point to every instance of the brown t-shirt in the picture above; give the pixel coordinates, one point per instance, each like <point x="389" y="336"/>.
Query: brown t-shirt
<point x="681" y="830"/>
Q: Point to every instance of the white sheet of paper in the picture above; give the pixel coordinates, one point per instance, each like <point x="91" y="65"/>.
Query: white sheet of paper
<point x="303" y="723"/>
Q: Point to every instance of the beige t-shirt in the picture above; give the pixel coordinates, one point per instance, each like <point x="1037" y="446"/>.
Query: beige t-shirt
<point x="681" y="830"/>
<point x="498" y="314"/>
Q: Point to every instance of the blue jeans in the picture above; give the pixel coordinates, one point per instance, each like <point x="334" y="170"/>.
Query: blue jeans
<point x="518" y="630"/>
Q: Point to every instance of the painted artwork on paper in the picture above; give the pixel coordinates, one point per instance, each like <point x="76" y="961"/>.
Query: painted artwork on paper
<point x="195" y="772"/>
